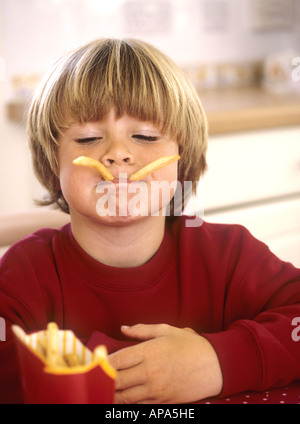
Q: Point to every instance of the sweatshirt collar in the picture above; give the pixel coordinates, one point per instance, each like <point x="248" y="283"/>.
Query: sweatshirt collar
<point x="114" y="278"/>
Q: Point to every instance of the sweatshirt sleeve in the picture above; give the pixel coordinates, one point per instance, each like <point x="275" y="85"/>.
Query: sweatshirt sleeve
<point x="11" y="312"/>
<point x="21" y="303"/>
<point x="256" y="350"/>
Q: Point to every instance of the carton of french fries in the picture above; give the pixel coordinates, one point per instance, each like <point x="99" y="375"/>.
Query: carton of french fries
<point x="56" y="368"/>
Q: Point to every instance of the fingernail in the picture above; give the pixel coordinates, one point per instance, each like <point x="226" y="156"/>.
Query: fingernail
<point x="125" y="327"/>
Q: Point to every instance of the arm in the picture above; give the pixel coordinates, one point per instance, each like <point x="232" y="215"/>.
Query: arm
<point x="10" y="382"/>
<point x="21" y="301"/>
<point x="12" y="311"/>
<point x="261" y="350"/>
<point x="253" y="350"/>
<point x="257" y="343"/>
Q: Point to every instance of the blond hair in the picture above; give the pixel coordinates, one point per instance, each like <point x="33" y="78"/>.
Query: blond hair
<point x="134" y="78"/>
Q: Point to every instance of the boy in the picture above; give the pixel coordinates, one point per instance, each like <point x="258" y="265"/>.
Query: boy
<point x="186" y="313"/>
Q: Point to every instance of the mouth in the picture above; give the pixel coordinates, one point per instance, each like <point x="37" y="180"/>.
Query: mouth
<point x="122" y="179"/>
<point x="119" y="183"/>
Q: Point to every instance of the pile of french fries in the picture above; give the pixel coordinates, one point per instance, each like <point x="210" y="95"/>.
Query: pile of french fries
<point x="51" y="346"/>
<point x="50" y="349"/>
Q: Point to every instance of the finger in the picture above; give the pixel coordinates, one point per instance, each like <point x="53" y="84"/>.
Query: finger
<point x="130" y="377"/>
<point x="190" y="330"/>
<point x="136" y="394"/>
<point x="126" y="358"/>
<point x="146" y="331"/>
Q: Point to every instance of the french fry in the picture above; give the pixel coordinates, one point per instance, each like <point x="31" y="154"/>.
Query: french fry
<point x="48" y="347"/>
<point x="72" y="360"/>
<point x="53" y="356"/>
<point x="42" y="347"/>
<point x="100" y="353"/>
<point x="100" y="358"/>
<point x="85" y="161"/>
<point x="153" y="166"/>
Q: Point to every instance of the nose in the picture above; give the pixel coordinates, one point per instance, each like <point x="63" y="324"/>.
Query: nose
<point x="118" y="154"/>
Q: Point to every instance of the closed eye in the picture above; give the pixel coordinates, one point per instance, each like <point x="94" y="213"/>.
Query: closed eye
<point x="145" y="137"/>
<point x="88" y="140"/>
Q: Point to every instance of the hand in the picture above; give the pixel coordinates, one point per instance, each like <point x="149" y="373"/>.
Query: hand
<point x="171" y="365"/>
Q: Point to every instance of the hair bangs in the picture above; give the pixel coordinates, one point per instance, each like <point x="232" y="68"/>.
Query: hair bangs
<point x="121" y="77"/>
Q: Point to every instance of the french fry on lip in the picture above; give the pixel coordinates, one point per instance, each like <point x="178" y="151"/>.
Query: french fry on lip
<point x="85" y="161"/>
<point x="153" y="166"/>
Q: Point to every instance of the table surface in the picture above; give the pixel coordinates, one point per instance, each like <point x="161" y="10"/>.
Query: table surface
<point x="285" y="395"/>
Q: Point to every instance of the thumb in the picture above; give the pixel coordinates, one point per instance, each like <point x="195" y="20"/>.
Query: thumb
<point x="144" y="331"/>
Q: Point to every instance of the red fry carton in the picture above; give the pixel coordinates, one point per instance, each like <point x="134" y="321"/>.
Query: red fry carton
<point x="90" y="381"/>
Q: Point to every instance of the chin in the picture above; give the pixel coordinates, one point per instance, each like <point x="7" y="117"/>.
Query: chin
<point x="120" y="221"/>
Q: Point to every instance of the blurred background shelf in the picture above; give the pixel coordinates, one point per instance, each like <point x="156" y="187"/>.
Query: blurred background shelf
<point x="249" y="108"/>
<point x="16" y="111"/>
<point x="228" y="109"/>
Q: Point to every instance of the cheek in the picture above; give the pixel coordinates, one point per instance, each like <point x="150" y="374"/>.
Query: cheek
<point x="168" y="173"/>
<point x="67" y="178"/>
<point x="69" y="187"/>
<point x="162" y="187"/>
<point x="77" y="184"/>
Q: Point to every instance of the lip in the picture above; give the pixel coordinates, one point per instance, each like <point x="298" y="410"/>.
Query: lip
<point x="121" y="181"/>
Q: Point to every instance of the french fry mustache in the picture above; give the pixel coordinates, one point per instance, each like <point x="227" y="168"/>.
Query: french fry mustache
<point x="139" y="175"/>
<point x="85" y="161"/>
<point x="153" y="166"/>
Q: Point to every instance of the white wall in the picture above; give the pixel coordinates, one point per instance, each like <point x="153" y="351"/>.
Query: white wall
<point x="16" y="177"/>
<point x="38" y="31"/>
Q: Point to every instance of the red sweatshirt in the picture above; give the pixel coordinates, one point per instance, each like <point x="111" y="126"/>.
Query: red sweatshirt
<point x="217" y="279"/>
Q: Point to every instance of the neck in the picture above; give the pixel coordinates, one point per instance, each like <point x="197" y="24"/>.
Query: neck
<point x="122" y="246"/>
